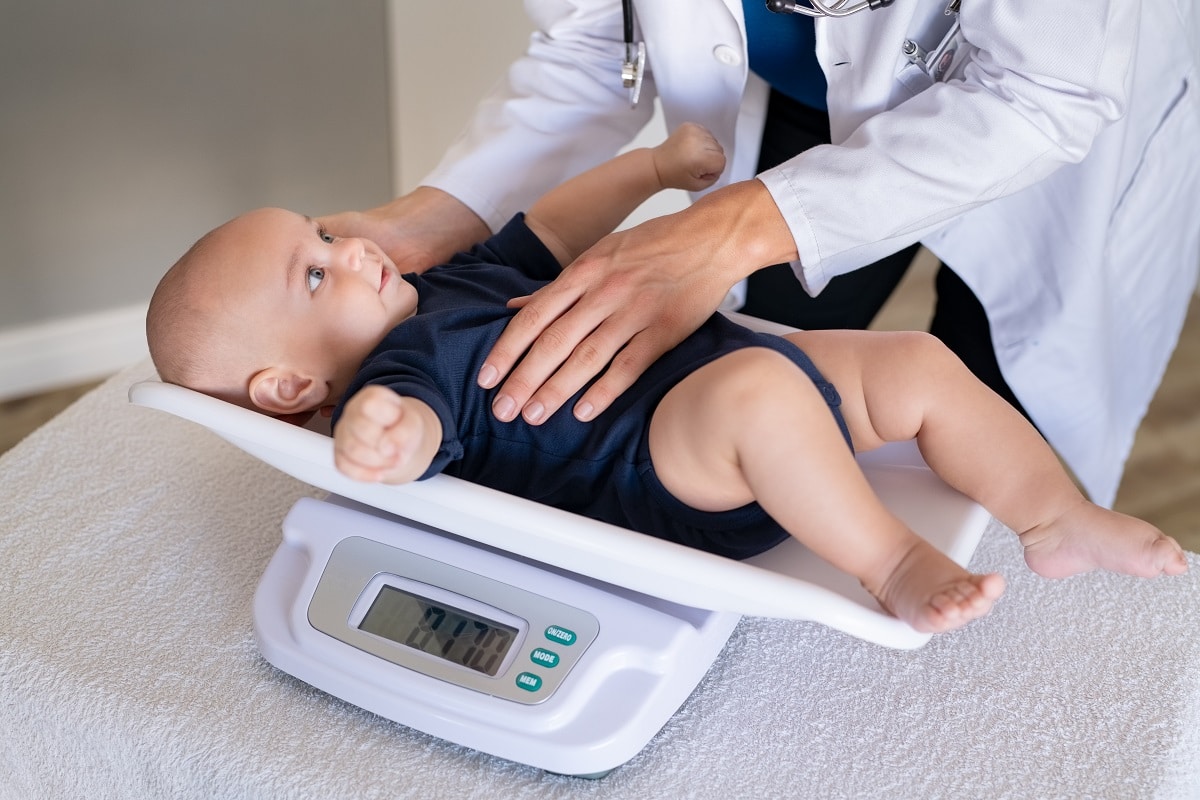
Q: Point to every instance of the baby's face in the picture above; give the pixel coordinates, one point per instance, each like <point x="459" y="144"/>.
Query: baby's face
<point x="307" y="299"/>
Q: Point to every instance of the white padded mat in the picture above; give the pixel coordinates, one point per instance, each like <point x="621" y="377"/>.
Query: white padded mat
<point x="132" y="543"/>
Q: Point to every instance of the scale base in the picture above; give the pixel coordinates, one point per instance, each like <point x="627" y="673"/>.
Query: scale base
<point x="646" y="658"/>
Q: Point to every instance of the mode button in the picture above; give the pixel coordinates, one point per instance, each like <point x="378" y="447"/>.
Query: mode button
<point x="544" y="657"/>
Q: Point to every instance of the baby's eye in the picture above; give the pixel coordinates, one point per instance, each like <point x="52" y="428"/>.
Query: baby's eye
<point x="327" y="237"/>
<point x="315" y="276"/>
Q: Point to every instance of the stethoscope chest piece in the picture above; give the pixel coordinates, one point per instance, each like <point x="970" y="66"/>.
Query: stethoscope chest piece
<point x="633" y="69"/>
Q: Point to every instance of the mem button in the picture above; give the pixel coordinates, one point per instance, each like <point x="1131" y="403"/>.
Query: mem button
<point x="560" y="635"/>
<point x="529" y="682"/>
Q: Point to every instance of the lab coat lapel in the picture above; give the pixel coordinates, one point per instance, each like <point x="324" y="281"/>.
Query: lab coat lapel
<point x="861" y="58"/>
<point x="698" y="62"/>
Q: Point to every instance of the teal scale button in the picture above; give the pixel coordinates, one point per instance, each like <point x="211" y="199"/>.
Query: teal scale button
<point x="560" y="635"/>
<point x="544" y="658"/>
<point x="529" y="682"/>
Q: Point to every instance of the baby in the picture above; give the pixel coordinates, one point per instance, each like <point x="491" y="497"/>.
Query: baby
<point x="731" y="442"/>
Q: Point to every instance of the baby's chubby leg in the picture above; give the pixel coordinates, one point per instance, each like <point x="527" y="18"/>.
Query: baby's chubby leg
<point x="752" y="426"/>
<point x="897" y="386"/>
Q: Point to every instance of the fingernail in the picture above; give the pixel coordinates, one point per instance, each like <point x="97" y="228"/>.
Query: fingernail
<point x="533" y="412"/>
<point x="505" y="408"/>
<point x="584" y="411"/>
<point x="488" y="376"/>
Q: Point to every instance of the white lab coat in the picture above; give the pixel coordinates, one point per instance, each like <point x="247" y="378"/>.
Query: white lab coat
<point x="1080" y="235"/>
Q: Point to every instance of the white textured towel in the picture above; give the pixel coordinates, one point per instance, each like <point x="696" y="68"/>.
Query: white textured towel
<point x="131" y="543"/>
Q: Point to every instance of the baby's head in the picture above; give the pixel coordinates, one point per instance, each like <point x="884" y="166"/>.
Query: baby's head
<point x="271" y="312"/>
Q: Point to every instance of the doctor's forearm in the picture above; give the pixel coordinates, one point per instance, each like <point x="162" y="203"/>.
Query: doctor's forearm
<point x="417" y="230"/>
<point x="437" y="222"/>
<point x="742" y="227"/>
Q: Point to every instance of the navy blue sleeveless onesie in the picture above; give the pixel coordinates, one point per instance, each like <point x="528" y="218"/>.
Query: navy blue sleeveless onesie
<point x="600" y="469"/>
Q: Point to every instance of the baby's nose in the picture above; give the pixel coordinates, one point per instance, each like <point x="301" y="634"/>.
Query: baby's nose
<point x="352" y="251"/>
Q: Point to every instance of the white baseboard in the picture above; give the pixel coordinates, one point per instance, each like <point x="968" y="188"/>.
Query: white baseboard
<point x="37" y="358"/>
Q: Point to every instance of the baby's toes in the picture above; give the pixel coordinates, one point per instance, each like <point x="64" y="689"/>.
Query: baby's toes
<point x="952" y="598"/>
<point x="968" y="599"/>
<point x="1171" y="557"/>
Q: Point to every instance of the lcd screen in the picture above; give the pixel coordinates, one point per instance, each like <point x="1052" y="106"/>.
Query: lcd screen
<point x="439" y="629"/>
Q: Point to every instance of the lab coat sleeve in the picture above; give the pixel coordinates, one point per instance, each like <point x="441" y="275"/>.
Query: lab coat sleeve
<point x="1041" y="81"/>
<point x="561" y="109"/>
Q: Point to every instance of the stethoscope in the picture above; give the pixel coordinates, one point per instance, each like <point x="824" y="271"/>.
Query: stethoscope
<point x="633" y="68"/>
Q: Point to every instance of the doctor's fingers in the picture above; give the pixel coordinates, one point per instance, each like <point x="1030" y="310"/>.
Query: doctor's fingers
<point x="536" y="313"/>
<point x="626" y="367"/>
<point x="568" y="353"/>
<point x="608" y="351"/>
<point x="662" y="327"/>
<point x="620" y="350"/>
<point x="537" y="340"/>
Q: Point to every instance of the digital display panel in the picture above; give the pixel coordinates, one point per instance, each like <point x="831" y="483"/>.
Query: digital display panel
<point x="439" y="629"/>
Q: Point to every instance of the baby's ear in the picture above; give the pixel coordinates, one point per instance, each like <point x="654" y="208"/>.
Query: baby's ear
<point x="281" y="391"/>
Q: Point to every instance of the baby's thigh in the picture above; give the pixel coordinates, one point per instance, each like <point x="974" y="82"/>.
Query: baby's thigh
<point x="884" y="378"/>
<point x="700" y="426"/>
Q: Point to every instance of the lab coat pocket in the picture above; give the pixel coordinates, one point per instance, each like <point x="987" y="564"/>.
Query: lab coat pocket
<point x="1168" y="137"/>
<point x="915" y="78"/>
<point x="1154" y="241"/>
<point x="943" y="61"/>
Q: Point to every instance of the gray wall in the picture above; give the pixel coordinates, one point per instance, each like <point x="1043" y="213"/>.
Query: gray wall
<point x="130" y="127"/>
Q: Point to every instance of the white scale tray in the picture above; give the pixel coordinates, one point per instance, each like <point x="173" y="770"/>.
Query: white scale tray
<point x="787" y="582"/>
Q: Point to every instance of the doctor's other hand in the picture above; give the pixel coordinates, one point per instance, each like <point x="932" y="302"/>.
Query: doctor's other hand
<point x="417" y="230"/>
<point x="627" y="300"/>
<point x="384" y="437"/>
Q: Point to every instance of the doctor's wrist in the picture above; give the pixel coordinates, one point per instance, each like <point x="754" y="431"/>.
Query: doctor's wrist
<point x="745" y="227"/>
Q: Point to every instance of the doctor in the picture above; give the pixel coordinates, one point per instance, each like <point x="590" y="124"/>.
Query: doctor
<point x="1046" y="152"/>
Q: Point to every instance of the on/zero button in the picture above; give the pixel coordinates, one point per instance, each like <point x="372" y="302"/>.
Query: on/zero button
<point x="560" y="635"/>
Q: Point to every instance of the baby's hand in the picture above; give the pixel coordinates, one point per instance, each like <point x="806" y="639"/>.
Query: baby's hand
<point x="690" y="158"/>
<point x="385" y="437"/>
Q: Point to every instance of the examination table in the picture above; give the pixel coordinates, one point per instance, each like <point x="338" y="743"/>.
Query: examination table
<point x="132" y="541"/>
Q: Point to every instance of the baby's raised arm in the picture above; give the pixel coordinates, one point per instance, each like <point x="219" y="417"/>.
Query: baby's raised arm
<point x="385" y="437"/>
<point x="576" y="214"/>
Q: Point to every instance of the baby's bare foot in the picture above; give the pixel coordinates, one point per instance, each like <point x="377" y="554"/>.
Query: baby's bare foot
<point x="1089" y="537"/>
<point x="933" y="594"/>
